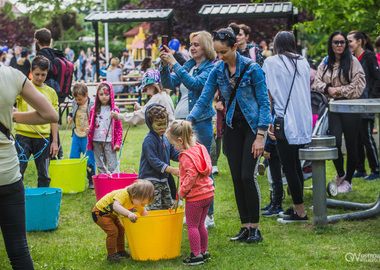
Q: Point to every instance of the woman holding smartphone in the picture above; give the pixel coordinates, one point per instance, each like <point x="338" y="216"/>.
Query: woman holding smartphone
<point x="191" y="77"/>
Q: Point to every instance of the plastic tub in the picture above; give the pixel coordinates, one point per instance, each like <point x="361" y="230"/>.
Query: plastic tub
<point x="42" y="207"/>
<point x="155" y="237"/>
<point x="69" y="174"/>
<point x="105" y="183"/>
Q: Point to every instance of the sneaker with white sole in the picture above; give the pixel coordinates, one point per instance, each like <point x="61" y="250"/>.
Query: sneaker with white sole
<point x="215" y="170"/>
<point x="293" y="218"/>
<point x="209" y="221"/>
<point x="193" y="260"/>
<point x="344" y="187"/>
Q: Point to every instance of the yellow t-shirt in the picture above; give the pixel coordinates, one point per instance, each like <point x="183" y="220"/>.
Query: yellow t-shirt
<point x="12" y="82"/>
<point x="81" y="121"/>
<point x="105" y="204"/>
<point x="22" y="106"/>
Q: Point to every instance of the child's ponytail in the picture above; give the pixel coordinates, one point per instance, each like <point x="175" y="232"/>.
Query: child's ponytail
<point x="181" y="129"/>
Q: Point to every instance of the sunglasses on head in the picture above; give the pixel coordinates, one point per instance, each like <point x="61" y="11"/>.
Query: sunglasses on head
<point x="224" y="35"/>
<point x="339" y="42"/>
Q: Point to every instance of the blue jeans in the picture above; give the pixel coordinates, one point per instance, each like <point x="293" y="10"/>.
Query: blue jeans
<point x="78" y="147"/>
<point x="203" y="132"/>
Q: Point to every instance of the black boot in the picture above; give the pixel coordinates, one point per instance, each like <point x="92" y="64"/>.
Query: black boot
<point x="90" y="174"/>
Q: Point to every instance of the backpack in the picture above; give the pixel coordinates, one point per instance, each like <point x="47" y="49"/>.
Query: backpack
<point x="62" y="74"/>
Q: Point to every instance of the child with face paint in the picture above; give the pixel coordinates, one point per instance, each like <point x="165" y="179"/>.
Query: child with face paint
<point x="156" y="155"/>
<point x="196" y="187"/>
<point x="152" y="86"/>
<point x="104" y="134"/>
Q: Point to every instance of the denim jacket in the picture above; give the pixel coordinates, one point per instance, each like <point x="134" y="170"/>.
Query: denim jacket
<point x="194" y="83"/>
<point x="252" y="94"/>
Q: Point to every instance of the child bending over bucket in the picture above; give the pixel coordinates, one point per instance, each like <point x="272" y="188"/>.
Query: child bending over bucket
<point x="121" y="202"/>
<point x="104" y="134"/>
<point x="156" y="155"/>
<point x="196" y="187"/>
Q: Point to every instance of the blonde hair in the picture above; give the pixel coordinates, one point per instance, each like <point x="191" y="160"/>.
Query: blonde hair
<point x="205" y="41"/>
<point x="141" y="190"/>
<point x="181" y="129"/>
<point x="114" y="63"/>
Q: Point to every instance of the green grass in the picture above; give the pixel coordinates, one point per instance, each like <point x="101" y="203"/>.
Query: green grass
<point x="78" y="243"/>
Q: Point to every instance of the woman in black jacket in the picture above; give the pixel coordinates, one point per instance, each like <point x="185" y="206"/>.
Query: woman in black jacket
<point x="362" y="48"/>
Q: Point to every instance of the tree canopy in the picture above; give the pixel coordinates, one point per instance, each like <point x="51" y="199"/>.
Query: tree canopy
<point x="344" y="15"/>
<point x="15" y="31"/>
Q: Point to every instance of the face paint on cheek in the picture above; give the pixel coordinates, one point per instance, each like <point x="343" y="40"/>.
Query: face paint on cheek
<point x="160" y="125"/>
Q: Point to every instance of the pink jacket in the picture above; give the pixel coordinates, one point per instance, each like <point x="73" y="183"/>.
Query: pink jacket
<point x="117" y="127"/>
<point x="194" y="170"/>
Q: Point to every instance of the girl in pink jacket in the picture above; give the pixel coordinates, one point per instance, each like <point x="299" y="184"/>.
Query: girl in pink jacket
<point x="104" y="134"/>
<point x="196" y="187"/>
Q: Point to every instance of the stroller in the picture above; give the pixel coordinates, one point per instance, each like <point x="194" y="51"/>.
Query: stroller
<point x="319" y="107"/>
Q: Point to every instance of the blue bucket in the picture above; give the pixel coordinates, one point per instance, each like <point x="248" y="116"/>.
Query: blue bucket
<point x="42" y="207"/>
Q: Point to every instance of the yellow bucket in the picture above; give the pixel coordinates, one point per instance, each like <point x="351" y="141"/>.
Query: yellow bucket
<point x="155" y="237"/>
<point x="70" y="175"/>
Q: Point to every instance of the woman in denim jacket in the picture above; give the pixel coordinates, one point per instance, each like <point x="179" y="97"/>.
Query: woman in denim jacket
<point x="191" y="78"/>
<point x="247" y="120"/>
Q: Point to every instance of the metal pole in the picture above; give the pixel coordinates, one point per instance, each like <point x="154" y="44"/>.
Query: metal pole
<point x="96" y="27"/>
<point x="319" y="192"/>
<point x="106" y="34"/>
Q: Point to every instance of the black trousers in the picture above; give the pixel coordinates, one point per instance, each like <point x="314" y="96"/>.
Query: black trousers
<point x="33" y="146"/>
<point x="292" y="168"/>
<point x="275" y="171"/>
<point x="13" y="228"/>
<point x="367" y="142"/>
<point x="237" y="145"/>
<point x="349" y="124"/>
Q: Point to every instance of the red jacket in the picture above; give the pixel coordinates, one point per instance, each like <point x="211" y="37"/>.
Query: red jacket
<point x="117" y="126"/>
<point x="194" y="170"/>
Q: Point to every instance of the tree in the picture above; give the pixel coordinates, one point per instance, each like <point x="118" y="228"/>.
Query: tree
<point x="344" y="15"/>
<point x="58" y="15"/>
<point x="186" y="19"/>
<point x="15" y="31"/>
<point x="65" y="26"/>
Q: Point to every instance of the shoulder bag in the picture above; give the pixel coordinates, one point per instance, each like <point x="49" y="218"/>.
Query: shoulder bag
<point x="233" y="94"/>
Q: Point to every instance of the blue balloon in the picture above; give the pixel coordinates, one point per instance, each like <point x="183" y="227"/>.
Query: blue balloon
<point x="5" y="49"/>
<point x="174" y="44"/>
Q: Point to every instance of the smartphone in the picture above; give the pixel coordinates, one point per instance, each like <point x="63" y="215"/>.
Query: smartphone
<point x="164" y="41"/>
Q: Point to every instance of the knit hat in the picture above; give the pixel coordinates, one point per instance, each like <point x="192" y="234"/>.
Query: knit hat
<point x="151" y="76"/>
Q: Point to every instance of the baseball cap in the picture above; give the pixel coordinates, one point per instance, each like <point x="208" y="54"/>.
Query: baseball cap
<point x="151" y="76"/>
<point x="125" y="50"/>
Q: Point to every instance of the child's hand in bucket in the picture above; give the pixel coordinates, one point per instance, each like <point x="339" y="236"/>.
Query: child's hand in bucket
<point x="132" y="217"/>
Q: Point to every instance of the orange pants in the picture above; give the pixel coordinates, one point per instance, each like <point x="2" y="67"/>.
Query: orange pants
<point x="114" y="229"/>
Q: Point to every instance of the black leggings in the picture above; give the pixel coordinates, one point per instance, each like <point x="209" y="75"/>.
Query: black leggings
<point x="12" y="222"/>
<point x="349" y="124"/>
<point x="237" y="145"/>
<point x="367" y="141"/>
<point x="292" y="168"/>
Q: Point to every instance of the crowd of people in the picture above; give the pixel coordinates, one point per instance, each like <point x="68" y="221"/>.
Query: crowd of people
<point x="260" y="97"/>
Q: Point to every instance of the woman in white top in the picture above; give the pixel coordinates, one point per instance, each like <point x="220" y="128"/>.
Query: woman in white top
<point x="151" y="83"/>
<point x="286" y="71"/>
<point x="12" y="196"/>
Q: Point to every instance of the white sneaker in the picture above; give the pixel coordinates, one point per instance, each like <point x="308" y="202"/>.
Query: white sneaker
<point x="209" y="222"/>
<point x="184" y="220"/>
<point x="344" y="187"/>
<point x="215" y="170"/>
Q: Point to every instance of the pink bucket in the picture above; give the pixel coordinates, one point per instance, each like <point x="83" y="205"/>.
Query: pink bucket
<point x="105" y="183"/>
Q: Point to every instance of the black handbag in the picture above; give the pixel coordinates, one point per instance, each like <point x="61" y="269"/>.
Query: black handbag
<point x="233" y="94"/>
<point x="279" y="122"/>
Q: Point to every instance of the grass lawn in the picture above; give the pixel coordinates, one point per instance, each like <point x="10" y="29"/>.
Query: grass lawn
<point x="78" y="243"/>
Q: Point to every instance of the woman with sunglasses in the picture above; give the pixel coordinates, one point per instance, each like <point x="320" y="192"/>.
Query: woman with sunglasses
<point x="361" y="46"/>
<point x="340" y="76"/>
<point x="288" y="80"/>
<point x="191" y="78"/>
<point x="247" y="119"/>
